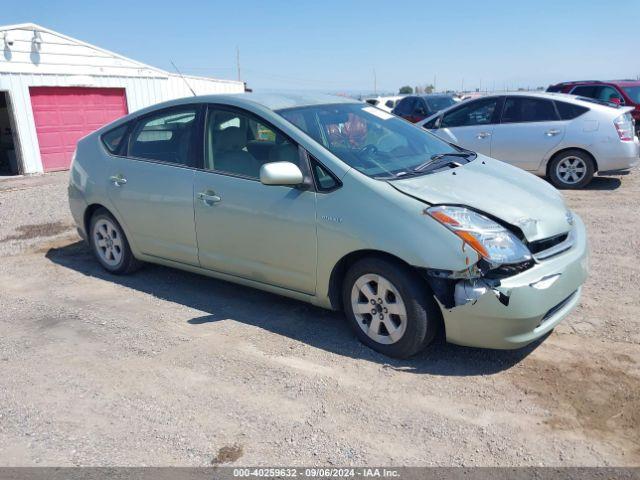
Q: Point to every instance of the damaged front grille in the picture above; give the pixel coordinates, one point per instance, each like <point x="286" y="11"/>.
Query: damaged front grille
<point x="546" y="243"/>
<point x="548" y="247"/>
<point x="505" y="271"/>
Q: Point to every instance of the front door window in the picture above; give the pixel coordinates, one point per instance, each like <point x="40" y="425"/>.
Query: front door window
<point x="239" y="144"/>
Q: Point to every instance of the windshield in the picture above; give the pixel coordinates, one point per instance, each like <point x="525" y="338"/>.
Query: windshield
<point x="372" y="141"/>
<point x="436" y="104"/>
<point x="633" y="92"/>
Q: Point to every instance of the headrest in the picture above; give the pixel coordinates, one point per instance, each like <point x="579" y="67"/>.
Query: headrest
<point x="285" y="152"/>
<point x="229" y="139"/>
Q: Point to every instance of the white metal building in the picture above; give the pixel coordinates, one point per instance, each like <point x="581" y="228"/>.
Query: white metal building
<point x="55" y="89"/>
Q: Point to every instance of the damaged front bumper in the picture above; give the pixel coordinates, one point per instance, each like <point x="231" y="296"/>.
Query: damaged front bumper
<point x="523" y="307"/>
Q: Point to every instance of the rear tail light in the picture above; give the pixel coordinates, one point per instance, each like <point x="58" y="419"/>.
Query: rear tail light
<point x="625" y="127"/>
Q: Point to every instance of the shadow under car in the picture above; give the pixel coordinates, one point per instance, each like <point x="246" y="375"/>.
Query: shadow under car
<point x="297" y="320"/>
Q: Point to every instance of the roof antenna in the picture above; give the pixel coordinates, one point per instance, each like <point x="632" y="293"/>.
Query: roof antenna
<point x="183" y="79"/>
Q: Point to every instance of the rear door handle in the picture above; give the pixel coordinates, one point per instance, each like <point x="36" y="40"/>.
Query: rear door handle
<point x="209" y="197"/>
<point x="552" y="133"/>
<point x="483" y="135"/>
<point x="118" y="180"/>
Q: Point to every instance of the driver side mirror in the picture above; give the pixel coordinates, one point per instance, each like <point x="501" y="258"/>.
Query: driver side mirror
<point x="281" y="173"/>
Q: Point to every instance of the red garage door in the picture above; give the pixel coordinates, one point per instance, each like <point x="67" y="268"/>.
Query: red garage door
<point x="63" y="115"/>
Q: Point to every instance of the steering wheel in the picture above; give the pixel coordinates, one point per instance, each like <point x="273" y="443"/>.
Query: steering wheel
<point x="368" y="150"/>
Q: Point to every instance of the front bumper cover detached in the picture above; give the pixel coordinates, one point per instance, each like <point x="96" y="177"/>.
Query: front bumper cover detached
<point x="519" y="309"/>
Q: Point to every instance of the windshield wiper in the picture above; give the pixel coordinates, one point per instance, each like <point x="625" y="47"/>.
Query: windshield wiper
<point x="440" y="156"/>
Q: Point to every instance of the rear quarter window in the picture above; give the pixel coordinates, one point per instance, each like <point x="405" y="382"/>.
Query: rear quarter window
<point x="569" y="111"/>
<point x="112" y="140"/>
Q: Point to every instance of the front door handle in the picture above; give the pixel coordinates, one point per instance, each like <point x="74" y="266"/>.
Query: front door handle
<point x="552" y="133"/>
<point x="118" y="180"/>
<point x="482" y="135"/>
<point x="209" y="197"/>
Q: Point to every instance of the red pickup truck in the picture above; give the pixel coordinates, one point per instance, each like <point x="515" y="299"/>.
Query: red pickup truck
<point x="622" y="92"/>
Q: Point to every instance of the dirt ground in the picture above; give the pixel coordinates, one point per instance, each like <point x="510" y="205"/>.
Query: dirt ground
<point x="171" y="368"/>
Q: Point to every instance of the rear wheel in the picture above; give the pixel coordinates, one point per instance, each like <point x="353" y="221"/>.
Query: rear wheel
<point x="389" y="307"/>
<point x="110" y="245"/>
<point x="571" y="169"/>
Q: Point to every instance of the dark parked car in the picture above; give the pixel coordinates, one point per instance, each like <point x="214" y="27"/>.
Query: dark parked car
<point x="418" y="107"/>
<point x="622" y="92"/>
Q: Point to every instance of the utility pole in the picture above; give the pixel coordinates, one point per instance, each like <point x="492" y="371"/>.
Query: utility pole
<point x="462" y="86"/>
<point x="238" y="61"/>
<point x="375" y="83"/>
<point x="434" y="84"/>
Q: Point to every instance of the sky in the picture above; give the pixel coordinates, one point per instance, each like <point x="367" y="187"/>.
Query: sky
<point x="335" y="46"/>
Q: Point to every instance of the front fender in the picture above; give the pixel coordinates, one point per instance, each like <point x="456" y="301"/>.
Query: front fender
<point x="369" y="214"/>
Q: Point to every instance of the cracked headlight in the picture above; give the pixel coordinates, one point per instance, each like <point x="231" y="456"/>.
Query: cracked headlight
<point x="492" y="241"/>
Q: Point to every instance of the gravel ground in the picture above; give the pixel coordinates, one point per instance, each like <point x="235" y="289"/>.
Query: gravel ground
<point x="170" y="368"/>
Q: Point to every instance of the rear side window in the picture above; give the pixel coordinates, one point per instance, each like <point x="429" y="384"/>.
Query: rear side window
<point x="436" y="104"/>
<point x="165" y="137"/>
<point x="569" y="111"/>
<point x="523" y="109"/>
<point x="590" y="91"/>
<point x="405" y="107"/>
<point x="113" y="138"/>
<point x="609" y="94"/>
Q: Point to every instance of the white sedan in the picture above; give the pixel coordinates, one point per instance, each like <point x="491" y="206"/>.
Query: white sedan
<point x="384" y="103"/>
<point x="562" y="137"/>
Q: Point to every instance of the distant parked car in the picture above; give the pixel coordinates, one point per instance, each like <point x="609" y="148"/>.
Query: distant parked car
<point x="384" y="103"/>
<point x="564" y="138"/>
<point x="621" y="92"/>
<point x="418" y="107"/>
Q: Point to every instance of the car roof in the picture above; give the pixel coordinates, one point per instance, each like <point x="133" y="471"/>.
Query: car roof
<point x="271" y="101"/>
<point x="267" y="102"/>
<point x="625" y="83"/>
<point x="378" y="97"/>
<point x="548" y="95"/>
<point x="277" y="101"/>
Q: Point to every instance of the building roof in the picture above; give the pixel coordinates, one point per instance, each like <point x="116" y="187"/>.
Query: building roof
<point x="105" y="62"/>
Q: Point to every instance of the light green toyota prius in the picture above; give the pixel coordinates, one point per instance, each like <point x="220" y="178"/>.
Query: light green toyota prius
<point x="337" y="203"/>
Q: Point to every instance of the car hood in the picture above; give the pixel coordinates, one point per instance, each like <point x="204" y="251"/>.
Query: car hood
<point x="501" y="190"/>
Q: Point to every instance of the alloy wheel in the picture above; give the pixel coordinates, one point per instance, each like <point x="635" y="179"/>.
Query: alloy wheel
<point x="379" y="309"/>
<point x="108" y="242"/>
<point x="571" y="170"/>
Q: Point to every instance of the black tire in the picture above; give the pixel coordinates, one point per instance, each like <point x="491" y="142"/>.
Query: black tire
<point x="126" y="263"/>
<point x="422" y="313"/>
<point x="566" y="156"/>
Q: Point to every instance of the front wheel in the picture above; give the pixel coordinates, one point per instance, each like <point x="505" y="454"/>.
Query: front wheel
<point x="389" y="307"/>
<point x="571" y="169"/>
